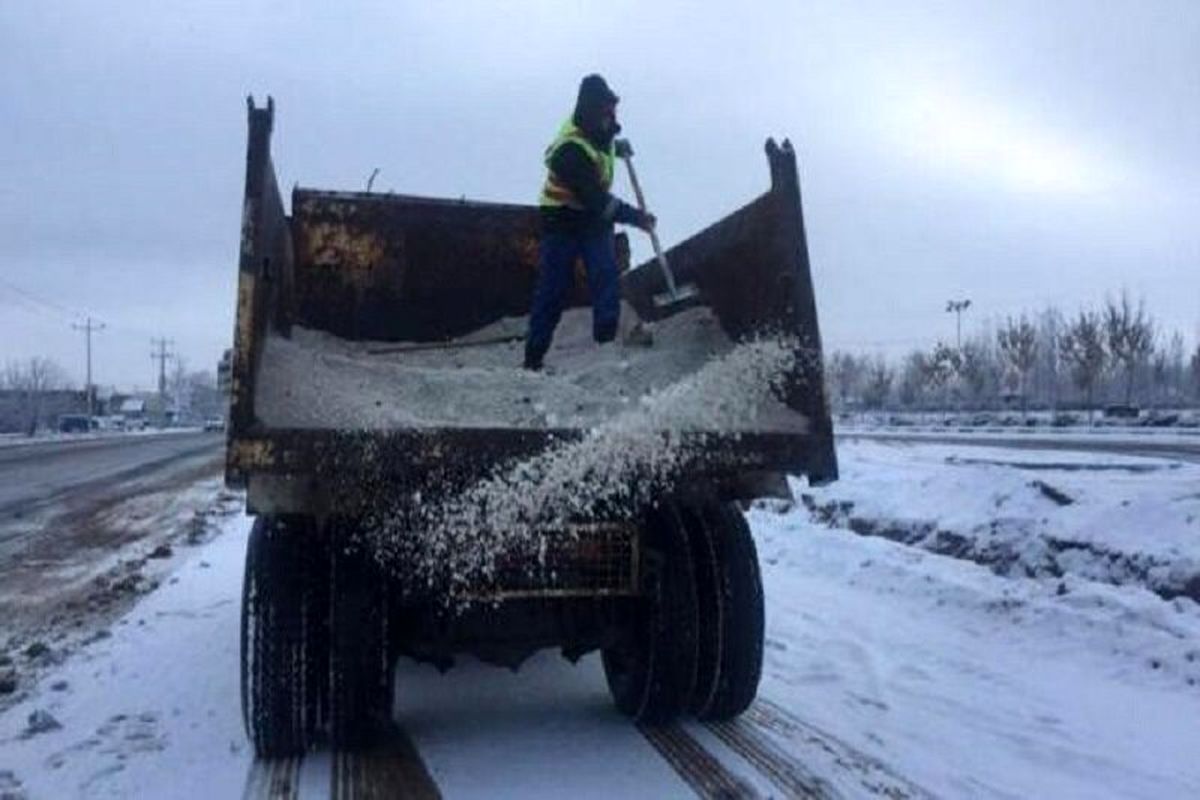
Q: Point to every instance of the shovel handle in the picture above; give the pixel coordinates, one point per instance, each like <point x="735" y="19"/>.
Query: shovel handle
<point x="658" y="251"/>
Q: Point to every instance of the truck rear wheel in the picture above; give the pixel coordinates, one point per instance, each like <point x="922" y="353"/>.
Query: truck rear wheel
<point x="284" y="641"/>
<point x="360" y="674"/>
<point x="651" y="672"/>
<point x="731" y="618"/>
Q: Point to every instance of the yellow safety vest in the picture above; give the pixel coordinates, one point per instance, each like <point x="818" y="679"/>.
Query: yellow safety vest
<point x="555" y="194"/>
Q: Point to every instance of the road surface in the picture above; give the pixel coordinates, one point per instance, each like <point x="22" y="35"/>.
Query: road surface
<point x="33" y="475"/>
<point x="1120" y="445"/>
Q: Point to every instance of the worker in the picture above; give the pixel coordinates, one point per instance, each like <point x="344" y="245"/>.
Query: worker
<point x="578" y="213"/>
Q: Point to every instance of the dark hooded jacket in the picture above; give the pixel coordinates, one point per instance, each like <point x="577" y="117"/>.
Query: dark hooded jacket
<point x="573" y="167"/>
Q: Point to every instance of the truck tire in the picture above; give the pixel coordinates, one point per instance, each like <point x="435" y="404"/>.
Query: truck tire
<point x="284" y="640"/>
<point x="360" y="673"/>
<point x="708" y="605"/>
<point x="731" y="659"/>
<point x="652" y="671"/>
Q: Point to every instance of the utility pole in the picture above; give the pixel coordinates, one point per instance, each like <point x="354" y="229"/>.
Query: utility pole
<point x="88" y="327"/>
<point x="161" y="356"/>
<point x="958" y="306"/>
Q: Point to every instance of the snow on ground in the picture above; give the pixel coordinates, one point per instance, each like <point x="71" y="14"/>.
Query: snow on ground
<point x="1114" y="518"/>
<point x="969" y="683"/>
<point x="1131" y="436"/>
<point x="152" y="710"/>
<point x="974" y="685"/>
<point x="1153" y="422"/>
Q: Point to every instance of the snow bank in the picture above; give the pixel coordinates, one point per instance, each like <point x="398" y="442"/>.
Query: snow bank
<point x="971" y="684"/>
<point x="1117" y="519"/>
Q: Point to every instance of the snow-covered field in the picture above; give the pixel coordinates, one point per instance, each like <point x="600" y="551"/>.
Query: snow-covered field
<point x="1153" y="422"/>
<point x="883" y="658"/>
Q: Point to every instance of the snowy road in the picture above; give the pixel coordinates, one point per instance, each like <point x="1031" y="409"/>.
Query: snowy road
<point x="34" y="474"/>
<point x="891" y="670"/>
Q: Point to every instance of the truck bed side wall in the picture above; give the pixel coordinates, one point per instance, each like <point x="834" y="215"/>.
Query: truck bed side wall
<point x="752" y="267"/>
<point x="265" y="276"/>
<point x="393" y="267"/>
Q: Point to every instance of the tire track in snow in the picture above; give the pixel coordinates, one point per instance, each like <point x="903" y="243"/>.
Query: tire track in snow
<point x="788" y="775"/>
<point x="869" y="773"/>
<point x="700" y="769"/>
<point x="273" y="779"/>
<point x="392" y="771"/>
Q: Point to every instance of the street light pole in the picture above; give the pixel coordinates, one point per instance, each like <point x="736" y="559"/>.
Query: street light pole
<point x="958" y="306"/>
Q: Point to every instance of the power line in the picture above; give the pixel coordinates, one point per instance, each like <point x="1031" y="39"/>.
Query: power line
<point x="37" y="300"/>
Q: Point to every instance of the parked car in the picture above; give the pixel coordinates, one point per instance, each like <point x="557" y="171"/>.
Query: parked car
<point x="76" y="423"/>
<point x="214" y="423"/>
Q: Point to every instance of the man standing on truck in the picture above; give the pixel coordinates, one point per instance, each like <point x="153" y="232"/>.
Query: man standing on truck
<point x="578" y="214"/>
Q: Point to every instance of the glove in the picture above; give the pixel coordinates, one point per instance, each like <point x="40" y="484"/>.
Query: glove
<point x="622" y="148"/>
<point x="646" y="221"/>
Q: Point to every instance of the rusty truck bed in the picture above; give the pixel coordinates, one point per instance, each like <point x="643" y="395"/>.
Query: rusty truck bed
<point x="396" y="268"/>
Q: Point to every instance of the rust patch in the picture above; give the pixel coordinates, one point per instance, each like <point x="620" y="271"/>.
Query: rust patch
<point x="250" y="454"/>
<point x="354" y="252"/>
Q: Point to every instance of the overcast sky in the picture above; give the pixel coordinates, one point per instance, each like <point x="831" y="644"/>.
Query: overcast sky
<point x="1016" y="153"/>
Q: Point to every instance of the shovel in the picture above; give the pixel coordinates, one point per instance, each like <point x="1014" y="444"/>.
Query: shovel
<point x="675" y="295"/>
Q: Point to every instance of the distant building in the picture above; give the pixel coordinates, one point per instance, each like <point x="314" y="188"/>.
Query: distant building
<point x="132" y="408"/>
<point x="19" y="411"/>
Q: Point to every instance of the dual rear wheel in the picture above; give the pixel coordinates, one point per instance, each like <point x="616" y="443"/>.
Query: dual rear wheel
<point x="694" y="643"/>
<point x="315" y="658"/>
<point x="317" y="664"/>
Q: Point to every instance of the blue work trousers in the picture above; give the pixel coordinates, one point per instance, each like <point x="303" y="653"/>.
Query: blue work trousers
<point x="556" y="277"/>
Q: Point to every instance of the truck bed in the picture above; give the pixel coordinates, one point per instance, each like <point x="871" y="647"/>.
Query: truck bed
<point x="313" y="379"/>
<point x="321" y="419"/>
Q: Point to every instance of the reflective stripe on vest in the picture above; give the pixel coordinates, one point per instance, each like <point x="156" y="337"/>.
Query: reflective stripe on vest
<point x="555" y="194"/>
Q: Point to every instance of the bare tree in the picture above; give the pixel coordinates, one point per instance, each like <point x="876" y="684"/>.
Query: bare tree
<point x="32" y="380"/>
<point x="977" y="369"/>
<point x="877" y="383"/>
<point x="1081" y="346"/>
<point x="846" y="372"/>
<point x="178" y="387"/>
<point x="943" y="364"/>
<point x="1196" y="372"/>
<point x="1047" y="377"/>
<point x="1018" y="341"/>
<point x="1167" y="371"/>
<point x="205" y="399"/>
<point x="914" y="379"/>
<point x="1176" y="368"/>
<point x="1130" y="337"/>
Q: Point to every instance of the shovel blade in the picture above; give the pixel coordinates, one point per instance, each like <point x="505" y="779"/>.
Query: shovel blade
<point x="683" y="294"/>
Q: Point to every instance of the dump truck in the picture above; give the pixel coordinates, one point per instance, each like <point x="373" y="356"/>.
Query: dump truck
<point x="658" y="574"/>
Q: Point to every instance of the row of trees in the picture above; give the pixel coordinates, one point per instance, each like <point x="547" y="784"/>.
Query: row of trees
<point x="27" y="383"/>
<point x="31" y="389"/>
<point x="1115" y="353"/>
